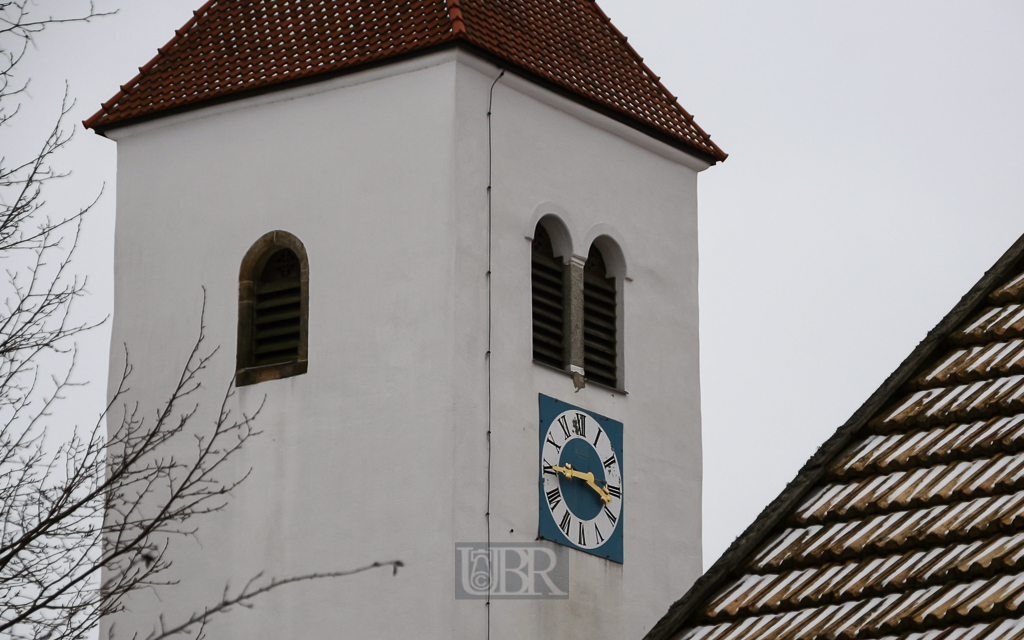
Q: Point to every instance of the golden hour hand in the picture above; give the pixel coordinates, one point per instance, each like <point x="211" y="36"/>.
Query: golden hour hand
<point x="587" y="477"/>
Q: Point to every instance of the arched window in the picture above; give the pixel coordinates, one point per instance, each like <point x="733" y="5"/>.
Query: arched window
<point x="600" y="321"/>
<point x="273" y="310"/>
<point x="550" y="312"/>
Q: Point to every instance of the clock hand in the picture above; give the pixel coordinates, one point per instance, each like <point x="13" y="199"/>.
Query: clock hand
<point x="606" y="497"/>
<point x="587" y="477"/>
<point x="567" y="470"/>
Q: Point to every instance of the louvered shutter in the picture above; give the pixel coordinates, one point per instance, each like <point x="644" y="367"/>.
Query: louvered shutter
<point x="600" y="343"/>
<point x="277" y="318"/>
<point x="549" y="308"/>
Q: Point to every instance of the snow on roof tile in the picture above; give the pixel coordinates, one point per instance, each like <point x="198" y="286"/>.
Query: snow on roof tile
<point x="910" y="522"/>
<point x="232" y="48"/>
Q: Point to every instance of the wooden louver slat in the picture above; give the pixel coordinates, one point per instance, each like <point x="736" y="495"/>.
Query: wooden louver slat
<point x="600" y="335"/>
<point x="549" y="313"/>
<point x="278" y="311"/>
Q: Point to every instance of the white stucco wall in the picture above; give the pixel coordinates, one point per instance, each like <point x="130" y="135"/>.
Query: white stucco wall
<point x="547" y="160"/>
<point x="380" y="450"/>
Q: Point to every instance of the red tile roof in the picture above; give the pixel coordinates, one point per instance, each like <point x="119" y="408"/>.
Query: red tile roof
<point x="231" y="48"/>
<point x="909" y="523"/>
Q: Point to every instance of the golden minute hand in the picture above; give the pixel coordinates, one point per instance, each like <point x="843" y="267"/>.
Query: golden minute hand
<point x="587" y="477"/>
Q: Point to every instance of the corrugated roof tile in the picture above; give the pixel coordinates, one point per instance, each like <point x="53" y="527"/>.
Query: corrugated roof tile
<point x="916" y="530"/>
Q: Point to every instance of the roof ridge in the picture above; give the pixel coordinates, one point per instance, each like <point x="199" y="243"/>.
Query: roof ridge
<point x="814" y="471"/>
<point x="455" y="15"/>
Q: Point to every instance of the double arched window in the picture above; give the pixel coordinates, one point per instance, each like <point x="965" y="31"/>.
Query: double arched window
<point x="273" y="310"/>
<point x="576" y="305"/>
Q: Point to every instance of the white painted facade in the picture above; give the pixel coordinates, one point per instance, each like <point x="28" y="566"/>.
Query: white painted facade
<point x="380" y="450"/>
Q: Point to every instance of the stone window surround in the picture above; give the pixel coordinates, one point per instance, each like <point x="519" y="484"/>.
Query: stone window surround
<point x="252" y="265"/>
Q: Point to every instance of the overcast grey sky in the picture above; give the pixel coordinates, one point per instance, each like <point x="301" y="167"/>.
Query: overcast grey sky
<point x="874" y="175"/>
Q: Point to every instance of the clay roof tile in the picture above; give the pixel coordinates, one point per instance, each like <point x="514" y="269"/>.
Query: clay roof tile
<point x="911" y="514"/>
<point x="231" y="48"/>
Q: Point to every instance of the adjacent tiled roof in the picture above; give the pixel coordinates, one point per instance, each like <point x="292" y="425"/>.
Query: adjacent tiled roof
<point x="909" y="523"/>
<point x="235" y="47"/>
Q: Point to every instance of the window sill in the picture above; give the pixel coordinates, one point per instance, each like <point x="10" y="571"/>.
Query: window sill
<point x="255" y="375"/>
<point x="568" y="374"/>
<point x="607" y="388"/>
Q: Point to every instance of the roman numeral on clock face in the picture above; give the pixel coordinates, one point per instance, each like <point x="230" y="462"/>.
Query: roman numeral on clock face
<point x="564" y="423"/>
<point x="611" y="516"/>
<point x="581" y="506"/>
<point x="579" y="425"/>
<point x="558" y="448"/>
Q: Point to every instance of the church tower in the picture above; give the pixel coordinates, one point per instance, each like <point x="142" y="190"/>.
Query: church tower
<point x="453" y="247"/>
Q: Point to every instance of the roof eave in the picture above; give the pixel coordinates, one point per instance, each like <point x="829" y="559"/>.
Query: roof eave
<point x="93" y="121"/>
<point x="619" y="116"/>
<point x="458" y="39"/>
<point x="101" y="128"/>
<point x="680" y="613"/>
<point x="721" y="155"/>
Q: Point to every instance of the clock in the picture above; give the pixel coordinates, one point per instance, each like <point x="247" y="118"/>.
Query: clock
<point x="581" y="483"/>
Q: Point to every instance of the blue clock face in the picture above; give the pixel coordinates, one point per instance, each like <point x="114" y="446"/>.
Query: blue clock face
<point x="581" y="484"/>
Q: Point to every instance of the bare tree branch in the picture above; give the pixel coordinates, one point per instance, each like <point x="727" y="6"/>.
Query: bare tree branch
<point x="250" y="591"/>
<point x="92" y="521"/>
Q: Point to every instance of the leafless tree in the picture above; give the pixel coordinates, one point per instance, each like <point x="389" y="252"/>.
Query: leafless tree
<point x="85" y="523"/>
